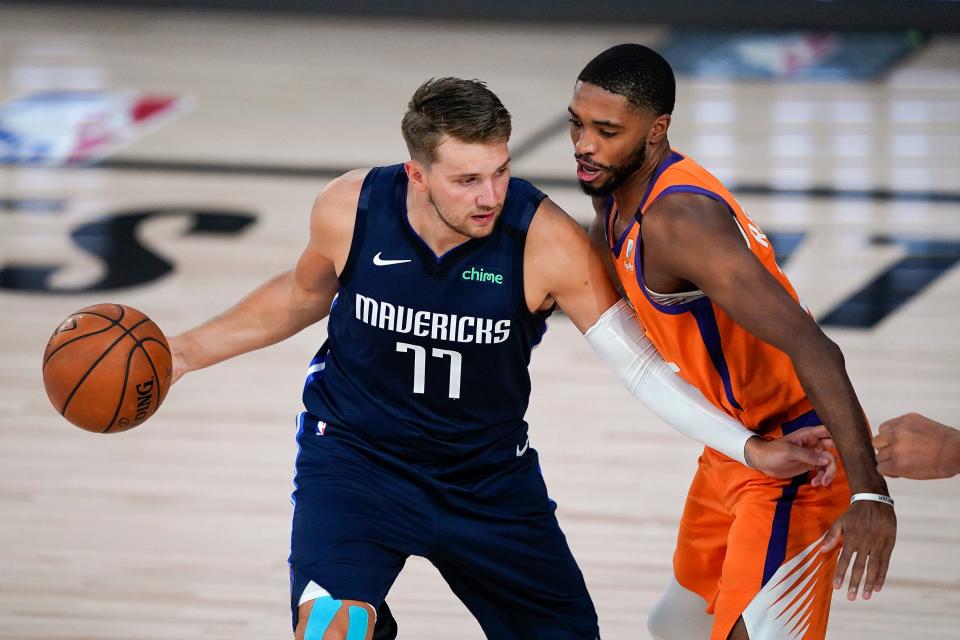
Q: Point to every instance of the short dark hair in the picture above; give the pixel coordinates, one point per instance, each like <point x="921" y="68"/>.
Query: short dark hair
<point x="636" y="72"/>
<point x="463" y="109"/>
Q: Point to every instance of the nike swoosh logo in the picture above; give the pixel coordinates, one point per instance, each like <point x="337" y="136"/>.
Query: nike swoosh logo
<point x="526" y="445"/>
<point x="380" y="262"/>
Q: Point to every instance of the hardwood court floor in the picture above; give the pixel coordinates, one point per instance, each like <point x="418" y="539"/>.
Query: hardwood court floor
<point x="180" y="529"/>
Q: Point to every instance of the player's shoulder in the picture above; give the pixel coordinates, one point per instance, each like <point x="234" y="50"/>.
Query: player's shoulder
<point x="340" y="195"/>
<point x="553" y="231"/>
<point x="520" y="195"/>
<point x="551" y="218"/>
<point x="677" y="213"/>
<point x="334" y="209"/>
<point x="343" y="188"/>
<point x="519" y="186"/>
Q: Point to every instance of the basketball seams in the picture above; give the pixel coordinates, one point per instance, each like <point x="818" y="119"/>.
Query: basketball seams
<point x="123" y="386"/>
<point x="152" y="367"/>
<point x="100" y="315"/>
<point x="113" y="323"/>
<point x="72" y="340"/>
<point x="98" y="360"/>
<point x="163" y="346"/>
<point x="126" y="372"/>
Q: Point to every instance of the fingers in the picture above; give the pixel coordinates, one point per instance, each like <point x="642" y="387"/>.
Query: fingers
<point x="825" y="473"/>
<point x="888" y="425"/>
<point x="817" y="479"/>
<point x="818" y="431"/>
<point x="842" y="563"/>
<point x="856" y="574"/>
<point x="876" y="573"/>
<point x="808" y="436"/>
<point x="888" y="469"/>
<point x="799" y="437"/>
<point x="808" y="457"/>
<point x="885" y="439"/>
<point x="834" y="536"/>
<point x="883" y="563"/>
<point x="886" y="465"/>
<point x="821" y="432"/>
<point x="829" y="472"/>
<point x="870" y="581"/>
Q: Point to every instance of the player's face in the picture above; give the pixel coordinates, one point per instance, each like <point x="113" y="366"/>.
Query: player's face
<point x="467" y="185"/>
<point x="609" y="138"/>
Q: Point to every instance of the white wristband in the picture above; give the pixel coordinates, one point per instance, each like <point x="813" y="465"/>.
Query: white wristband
<point x="873" y="497"/>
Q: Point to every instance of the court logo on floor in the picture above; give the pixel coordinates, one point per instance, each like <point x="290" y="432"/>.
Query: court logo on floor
<point x="769" y="55"/>
<point x="76" y="127"/>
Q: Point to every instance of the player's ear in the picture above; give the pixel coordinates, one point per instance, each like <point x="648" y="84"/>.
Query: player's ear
<point x="658" y="130"/>
<point x="416" y="174"/>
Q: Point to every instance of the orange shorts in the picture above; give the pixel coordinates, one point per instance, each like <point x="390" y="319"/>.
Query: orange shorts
<point x="750" y="545"/>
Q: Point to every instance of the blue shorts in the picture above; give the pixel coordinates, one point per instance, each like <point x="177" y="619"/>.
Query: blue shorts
<point x="358" y="515"/>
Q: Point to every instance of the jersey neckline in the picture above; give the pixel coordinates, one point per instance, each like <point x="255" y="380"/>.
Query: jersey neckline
<point x="430" y="261"/>
<point x="665" y="164"/>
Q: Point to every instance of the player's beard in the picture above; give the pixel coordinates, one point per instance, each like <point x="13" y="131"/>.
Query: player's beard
<point x="618" y="174"/>
<point x="462" y="229"/>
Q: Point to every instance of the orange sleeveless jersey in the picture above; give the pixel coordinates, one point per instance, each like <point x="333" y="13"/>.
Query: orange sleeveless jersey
<point x="752" y="381"/>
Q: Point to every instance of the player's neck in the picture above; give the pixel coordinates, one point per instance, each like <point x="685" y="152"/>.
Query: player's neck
<point x="630" y="194"/>
<point x="427" y="224"/>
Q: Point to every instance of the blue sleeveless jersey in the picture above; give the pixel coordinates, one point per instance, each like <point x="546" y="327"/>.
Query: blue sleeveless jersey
<point x="426" y="357"/>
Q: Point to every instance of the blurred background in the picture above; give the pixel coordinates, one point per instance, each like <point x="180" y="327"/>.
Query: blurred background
<point x="165" y="155"/>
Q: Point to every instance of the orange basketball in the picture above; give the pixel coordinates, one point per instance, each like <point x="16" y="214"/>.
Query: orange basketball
<point x="107" y="368"/>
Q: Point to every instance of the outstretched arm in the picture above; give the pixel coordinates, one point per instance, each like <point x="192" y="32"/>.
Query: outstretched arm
<point x="286" y="303"/>
<point x="620" y="341"/>
<point x="561" y="265"/>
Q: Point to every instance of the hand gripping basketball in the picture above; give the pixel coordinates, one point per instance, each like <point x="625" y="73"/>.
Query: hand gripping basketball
<point x="107" y="368"/>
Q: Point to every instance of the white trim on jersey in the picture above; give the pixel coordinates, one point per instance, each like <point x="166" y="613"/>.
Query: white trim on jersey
<point x="781" y="610"/>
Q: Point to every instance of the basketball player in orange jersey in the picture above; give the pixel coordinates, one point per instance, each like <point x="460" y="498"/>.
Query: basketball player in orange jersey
<point x="756" y="554"/>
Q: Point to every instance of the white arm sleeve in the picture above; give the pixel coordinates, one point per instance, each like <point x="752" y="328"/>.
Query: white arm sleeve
<point x="620" y="341"/>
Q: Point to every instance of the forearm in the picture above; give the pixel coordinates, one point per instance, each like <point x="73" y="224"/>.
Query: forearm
<point x="272" y="312"/>
<point x="620" y="342"/>
<point x="819" y="364"/>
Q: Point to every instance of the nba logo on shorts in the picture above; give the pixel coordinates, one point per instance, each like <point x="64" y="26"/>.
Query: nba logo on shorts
<point x="321" y="427"/>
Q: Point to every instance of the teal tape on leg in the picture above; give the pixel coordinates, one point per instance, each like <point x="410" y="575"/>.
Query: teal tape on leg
<point x="358" y="623"/>
<point x="324" y="609"/>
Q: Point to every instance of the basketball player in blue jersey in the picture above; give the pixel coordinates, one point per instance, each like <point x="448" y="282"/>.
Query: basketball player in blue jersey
<point x="438" y="276"/>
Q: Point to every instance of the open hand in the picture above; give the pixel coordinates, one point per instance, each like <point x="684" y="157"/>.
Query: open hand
<point x="869" y="531"/>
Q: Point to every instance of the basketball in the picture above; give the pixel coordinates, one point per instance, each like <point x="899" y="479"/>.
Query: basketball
<point x="107" y="368"/>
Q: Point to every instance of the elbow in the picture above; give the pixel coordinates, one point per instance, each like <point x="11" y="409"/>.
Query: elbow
<point x="833" y="352"/>
<point x="829" y="348"/>
<point x="815" y="343"/>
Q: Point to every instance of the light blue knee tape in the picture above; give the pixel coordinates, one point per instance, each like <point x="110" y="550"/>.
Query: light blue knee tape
<point x="358" y="623"/>
<point x="320" y="617"/>
<point x="322" y="614"/>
